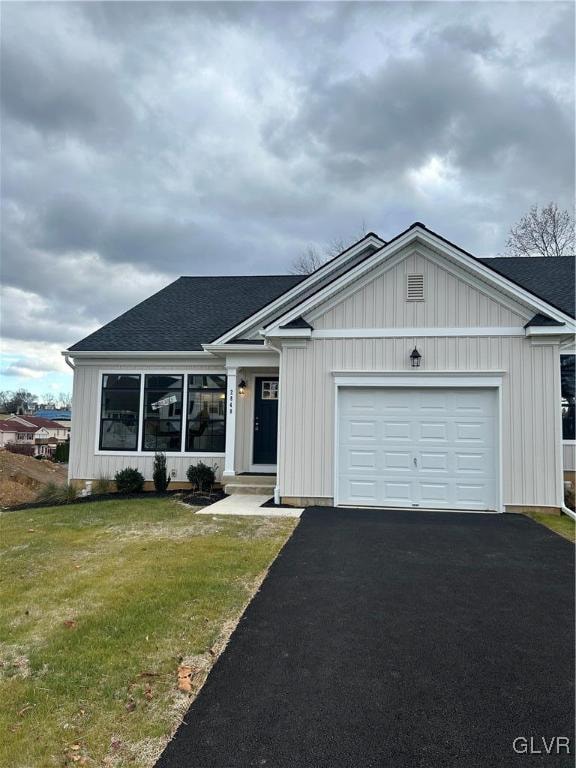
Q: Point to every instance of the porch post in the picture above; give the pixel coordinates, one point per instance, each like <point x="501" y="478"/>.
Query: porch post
<point x="231" y="393"/>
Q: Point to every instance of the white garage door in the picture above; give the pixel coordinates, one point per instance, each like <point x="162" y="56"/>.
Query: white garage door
<point x="430" y="448"/>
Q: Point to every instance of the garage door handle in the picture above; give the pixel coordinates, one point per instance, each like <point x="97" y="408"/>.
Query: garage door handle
<point x="415" y="462"/>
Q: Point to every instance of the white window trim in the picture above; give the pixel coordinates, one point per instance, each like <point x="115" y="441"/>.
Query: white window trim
<point x="155" y="372"/>
<point x="447" y="379"/>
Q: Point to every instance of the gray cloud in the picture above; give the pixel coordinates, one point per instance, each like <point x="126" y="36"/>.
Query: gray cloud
<point x="141" y="141"/>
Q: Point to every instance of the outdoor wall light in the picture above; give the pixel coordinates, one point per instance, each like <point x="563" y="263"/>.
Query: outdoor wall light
<point x="415" y="358"/>
<point x="242" y="387"/>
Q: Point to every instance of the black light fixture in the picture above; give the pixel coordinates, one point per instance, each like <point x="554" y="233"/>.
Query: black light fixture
<point x="415" y="358"/>
<point x="242" y="387"/>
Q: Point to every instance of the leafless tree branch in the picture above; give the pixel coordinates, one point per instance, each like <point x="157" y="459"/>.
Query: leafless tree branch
<point x="548" y="231"/>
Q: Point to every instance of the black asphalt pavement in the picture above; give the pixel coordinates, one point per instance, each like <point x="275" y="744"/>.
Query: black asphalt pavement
<point x="405" y="639"/>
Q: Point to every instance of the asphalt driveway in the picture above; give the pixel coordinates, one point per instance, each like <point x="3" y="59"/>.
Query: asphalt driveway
<point x="396" y="639"/>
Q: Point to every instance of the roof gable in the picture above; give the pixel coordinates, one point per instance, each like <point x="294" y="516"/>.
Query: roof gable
<point x="380" y="299"/>
<point x="477" y="273"/>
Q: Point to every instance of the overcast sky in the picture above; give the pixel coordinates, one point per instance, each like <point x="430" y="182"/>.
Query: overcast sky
<point x="145" y="141"/>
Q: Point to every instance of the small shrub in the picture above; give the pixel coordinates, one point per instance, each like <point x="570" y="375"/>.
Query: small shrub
<point x="570" y="498"/>
<point x="160" y="474"/>
<point x="201" y="476"/>
<point x="129" y="480"/>
<point x="102" y="485"/>
<point x="62" y="453"/>
<point x="52" y="493"/>
<point x="48" y="493"/>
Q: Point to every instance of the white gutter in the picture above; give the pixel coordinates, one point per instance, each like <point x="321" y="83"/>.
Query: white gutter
<point x="68" y="363"/>
<point x="125" y="353"/>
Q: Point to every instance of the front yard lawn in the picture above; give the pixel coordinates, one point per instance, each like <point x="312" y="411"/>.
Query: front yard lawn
<point x="100" y="604"/>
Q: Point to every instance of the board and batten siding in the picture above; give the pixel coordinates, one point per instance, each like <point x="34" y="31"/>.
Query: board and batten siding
<point x="532" y="448"/>
<point x="449" y="301"/>
<point x="85" y="462"/>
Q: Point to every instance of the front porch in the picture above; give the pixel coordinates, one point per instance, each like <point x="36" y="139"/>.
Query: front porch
<point x="251" y="450"/>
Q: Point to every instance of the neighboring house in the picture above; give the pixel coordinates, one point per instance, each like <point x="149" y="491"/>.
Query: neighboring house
<point x="400" y="374"/>
<point x="48" y="427"/>
<point x="13" y="431"/>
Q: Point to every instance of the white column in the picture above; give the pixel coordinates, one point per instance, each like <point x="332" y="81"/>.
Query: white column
<point x="231" y="394"/>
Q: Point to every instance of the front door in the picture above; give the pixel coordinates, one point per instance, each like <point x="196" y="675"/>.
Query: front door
<point x="265" y="420"/>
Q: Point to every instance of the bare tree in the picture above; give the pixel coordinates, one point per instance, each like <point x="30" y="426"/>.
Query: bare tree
<point x="548" y="231"/>
<point x="309" y="261"/>
<point x="312" y="258"/>
<point x="65" y="400"/>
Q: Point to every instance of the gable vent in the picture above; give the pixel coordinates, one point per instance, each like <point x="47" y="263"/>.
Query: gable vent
<point x="415" y="288"/>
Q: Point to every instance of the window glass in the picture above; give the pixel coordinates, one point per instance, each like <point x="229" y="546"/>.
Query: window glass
<point x="162" y="429"/>
<point x="567" y="374"/>
<point x="119" y="412"/>
<point x="269" y="390"/>
<point x="206" y="420"/>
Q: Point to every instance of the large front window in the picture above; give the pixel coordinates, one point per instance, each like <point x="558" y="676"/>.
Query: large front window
<point x="206" y="413"/>
<point x="119" y="412"/>
<point x="567" y="373"/>
<point x="162" y="413"/>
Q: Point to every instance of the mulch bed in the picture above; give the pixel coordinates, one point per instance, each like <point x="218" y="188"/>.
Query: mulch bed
<point x="197" y="500"/>
<point x="108" y="497"/>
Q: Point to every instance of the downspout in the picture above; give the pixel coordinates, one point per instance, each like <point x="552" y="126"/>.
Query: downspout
<point x="569" y="512"/>
<point x="68" y="363"/>
<point x="269" y="343"/>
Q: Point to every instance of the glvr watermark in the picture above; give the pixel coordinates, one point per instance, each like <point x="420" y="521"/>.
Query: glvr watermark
<point x="540" y="745"/>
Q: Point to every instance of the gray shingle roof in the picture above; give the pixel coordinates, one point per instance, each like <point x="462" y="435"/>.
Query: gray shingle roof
<point x="551" y="279"/>
<point x="188" y="313"/>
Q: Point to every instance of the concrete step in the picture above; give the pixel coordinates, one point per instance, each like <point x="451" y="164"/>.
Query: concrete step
<point x="254" y="480"/>
<point x="242" y="488"/>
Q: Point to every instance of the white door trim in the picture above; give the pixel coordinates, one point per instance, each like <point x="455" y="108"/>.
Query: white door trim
<point x="439" y="379"/>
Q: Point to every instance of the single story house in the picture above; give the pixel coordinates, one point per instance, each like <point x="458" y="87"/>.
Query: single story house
<point x="404" y="374"/>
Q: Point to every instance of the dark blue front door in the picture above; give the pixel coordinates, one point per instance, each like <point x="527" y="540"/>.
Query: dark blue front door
<point x="265" y="419"/>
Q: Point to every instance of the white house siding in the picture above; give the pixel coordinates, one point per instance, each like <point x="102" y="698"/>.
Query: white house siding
<point x="85" y="462"/>
<point x="532" y="449"/>
<point x="449" y="302"/>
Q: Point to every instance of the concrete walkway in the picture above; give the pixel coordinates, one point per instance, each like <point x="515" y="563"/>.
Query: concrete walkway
<point x="248" y="504"/>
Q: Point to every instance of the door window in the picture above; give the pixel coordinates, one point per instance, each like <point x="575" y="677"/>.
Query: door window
<point x="269" y="390"/>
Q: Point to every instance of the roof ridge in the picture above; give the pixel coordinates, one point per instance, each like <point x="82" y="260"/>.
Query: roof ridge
<point x="240" y="277"/>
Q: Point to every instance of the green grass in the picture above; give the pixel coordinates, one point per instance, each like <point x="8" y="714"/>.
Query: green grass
<point x="560" y="524"/>
<point x="100" y="603"/>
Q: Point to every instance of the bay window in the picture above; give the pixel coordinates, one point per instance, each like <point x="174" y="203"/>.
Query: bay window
<point x="119" y="412"/>
<point x="206" y="413"/>
<point x="162" y="429"/>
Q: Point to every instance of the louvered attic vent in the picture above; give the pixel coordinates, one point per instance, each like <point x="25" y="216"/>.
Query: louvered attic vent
<point x="415" y="288"/>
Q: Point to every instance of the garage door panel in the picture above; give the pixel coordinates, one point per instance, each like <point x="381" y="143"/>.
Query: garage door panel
<point x="396" y="430"/>
<point x="395" y="460"/>
<point x="434" y="461"/>
<point x="362" y="430"/>
<point x="432" y="493"/>
<point x="432" y="431"/>
<point x="398" y="492"/>
<point x="440" y="452"/>
<point x="362" y="459"/>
